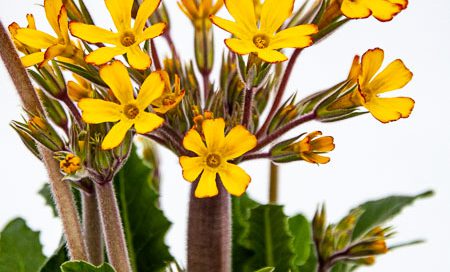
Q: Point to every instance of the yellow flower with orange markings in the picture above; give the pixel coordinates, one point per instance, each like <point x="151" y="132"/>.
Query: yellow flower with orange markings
<point x="310" y="147"/>
<point x="199" y="11"/>
<point x="171" y="96"/>
<point x="370" y="85"/>
<point x="130" y="111"/>
<point x="127" y="39"/>
<point x="212" y="159"/>
<point x="60" y="46"/>
<point x="382" y="10"/>
<point x="79" y="89"/>
<point x="265" y="40"/>
<point x="70" y="164"/>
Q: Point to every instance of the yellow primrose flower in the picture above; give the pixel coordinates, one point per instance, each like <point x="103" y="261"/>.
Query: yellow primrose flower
<point x="60" y="46"/>
<point x="12" y="28"/>
<point x="199" y="11"/>
<point x="80" y="89"/>
<point x="213" y="158"/>
<point x="127" y="39"/>
<point x="263" y="40"/>
<point x="394" y="76"/>
<point x="169" y="99"/>
<point x="130" y="111"/>
<point x="382" y="10"/>
<point x="312" y="146"/>
<point x="70" y="164"/>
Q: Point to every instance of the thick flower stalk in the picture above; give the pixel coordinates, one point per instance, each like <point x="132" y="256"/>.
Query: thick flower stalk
<point x="127" y="39"/>
<point x="265" y="40"/>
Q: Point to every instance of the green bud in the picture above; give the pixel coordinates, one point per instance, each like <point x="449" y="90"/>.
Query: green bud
<point x="204" y="49"/>
<point x="26" y="139"/>
<point x="54" y="110"/>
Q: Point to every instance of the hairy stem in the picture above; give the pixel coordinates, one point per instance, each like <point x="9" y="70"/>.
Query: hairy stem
<point x="248" y="106"/>
<point x="116" y="245"/>
<point x="73" y="110"/>
<point x="155" y="55"/>
<point x="273" y="186"/>
<point x="92" y="228"/>
<point x="209" y="232"/>
<point x="61" y="190"/>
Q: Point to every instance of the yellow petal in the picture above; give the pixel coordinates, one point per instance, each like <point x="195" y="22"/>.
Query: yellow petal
<point x="52" y="10"/>
<point x="393" y="77"/>
<point x="63" y="23"/>
<point x="193" y="142"/>
<point x="207" y="186"/>
<point x="294" y="37"/>
<point x="32" y="59"/>
<point x="116" y="77"/>
<point x="314" y="158"/>
<point x="383" y="10"/>
<point x="390" y="109"/>
<point x="151" y="89"/>
<point x="146" y="9"/>
<point x="238" y="141"/>
<point x="146" y="122"/>
<point x="53" y="51"/>
<point x="120" y="11"/>
<point x="402" y="3"/>
<point x="93" y="34"/>
<point x="274" y="13"/>
<point x="31" y="21"/>
<point x="116" y="135"/>
<point x="96" y="111"/>
<point x="137" y="58"/>
<point x="232" y="27"/>
<point x="234" y="179"/>
<point x="323" y="144"/>
<point x="370" y="63"/>
<point x="192" y="167"/>
<point x="35" y="38"/>
<point x="243" y="12"/>
<point x="214" y="130"/>
<point x="104" y="54"/>
<point x="241" y="47"/>
<point x="355" y="9"/>
<point x="272" y="56"/>
<point x="355" y="70"/>
<point x="151" y="32"/>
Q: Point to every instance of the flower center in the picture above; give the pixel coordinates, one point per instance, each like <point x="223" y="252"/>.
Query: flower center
<point x="213" y="160"/>
<point x="127" y="39"/>
<point x="130" y="111"/>
<point x="261" y="41"/>
<point x="168" y="101"/>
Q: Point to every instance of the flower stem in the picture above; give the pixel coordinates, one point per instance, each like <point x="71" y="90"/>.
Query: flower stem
<point x="273" y="186"/>
<point x="73" y="110"/>
<point x="209" y="232"/>
<point x="248" y="106"/>
<point x="92" y="228"/>
<point x="155" y="55"/>
<point x="61" y="190"/>
<point x="116" y="245"/>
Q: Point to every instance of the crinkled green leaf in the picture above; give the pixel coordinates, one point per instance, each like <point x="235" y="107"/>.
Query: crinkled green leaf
<point x="311" y="263"/>
<point x="80" y="266"/>
<point x="301" y="230"/>
<point x="54" y="262"/>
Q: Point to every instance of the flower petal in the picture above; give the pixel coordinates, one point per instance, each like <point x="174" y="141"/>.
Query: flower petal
<point x="53" y="51"/>
<point x="93" y="34"/>
<point x="63" y="23"/>
<point x="243" y="11"/>
<point x="383" y="10"/>
<point x="120" y="12"/>
<point x="274" y="13"/>
<point x="116" y="135"/>
<point x="137" y="58"/>
<point x="146" y="122"/>
<point x="241" y="47"/>
<point x="314" y="158"/>
<point x="104" y="54"/>
<point x="232" y="27"/>
<point x="393" y="77"/>
<point x="370" y="63"/>
<point x="151" y="89"/>
<point x="294" y="37"/>
<point x="96" y="111"/>
<point x="390" y="109"/>
<point x="146" y="9"/>
<point x="207" y="186"/>
<point x="32" y="59"/>
<point x="238" y="141"/>
<point x="323" y="144"/>
<point x="193" y="142"/>
<point x="355" y="9"/>
<point x="272" y="56"/>
<point x="52" y="11"/>
<point x="151" y="32"/>
<point x="214" y="130"/>
<point x="192" y="167"/>
<point x="35" y="38"/>
<point x="116" y="77"/>
<point x="234" y="179"/>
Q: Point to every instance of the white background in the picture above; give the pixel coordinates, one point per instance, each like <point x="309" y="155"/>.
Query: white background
<point x="371" y="160"/>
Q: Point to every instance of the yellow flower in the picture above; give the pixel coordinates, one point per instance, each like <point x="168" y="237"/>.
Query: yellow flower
<point x="127" y="39"/>
<point x="311" y="147"/>
<point x="130" y="111"/>
<point x="382" y="10"/>
<point x="169" y="99"/>
<point x="393" y="77"/>
<point x="213" y="158"/>
<point x="263" y="40"/>
<point x="199" y="11"/>
<point x="60" y="46"/>
<point x="13" y="31"/>
<point x="70" y="164"/>
<point x="80" y="89"/>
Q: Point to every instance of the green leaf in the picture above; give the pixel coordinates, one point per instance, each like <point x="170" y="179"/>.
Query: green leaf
<point x="301" y="230"/>
<point x="144" y="223"/>
<point x="54" y="262"/>
<point x="377" y="212"/>
<point x="270" y="239"/>
<point x="20" y="248"/>
<point x="80" y="266"/>
<point x="266" y="269"/>
<point x="311" y="264"/>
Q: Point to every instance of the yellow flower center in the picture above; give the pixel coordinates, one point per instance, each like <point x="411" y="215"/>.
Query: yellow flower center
<point x="131" y="111"/>
<point x="70" y="164"/>
<point x="213" y="160"/>
<point x="261" y="41"/>
<point x="168" y="101"/>
<point x="127" y="39"/>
